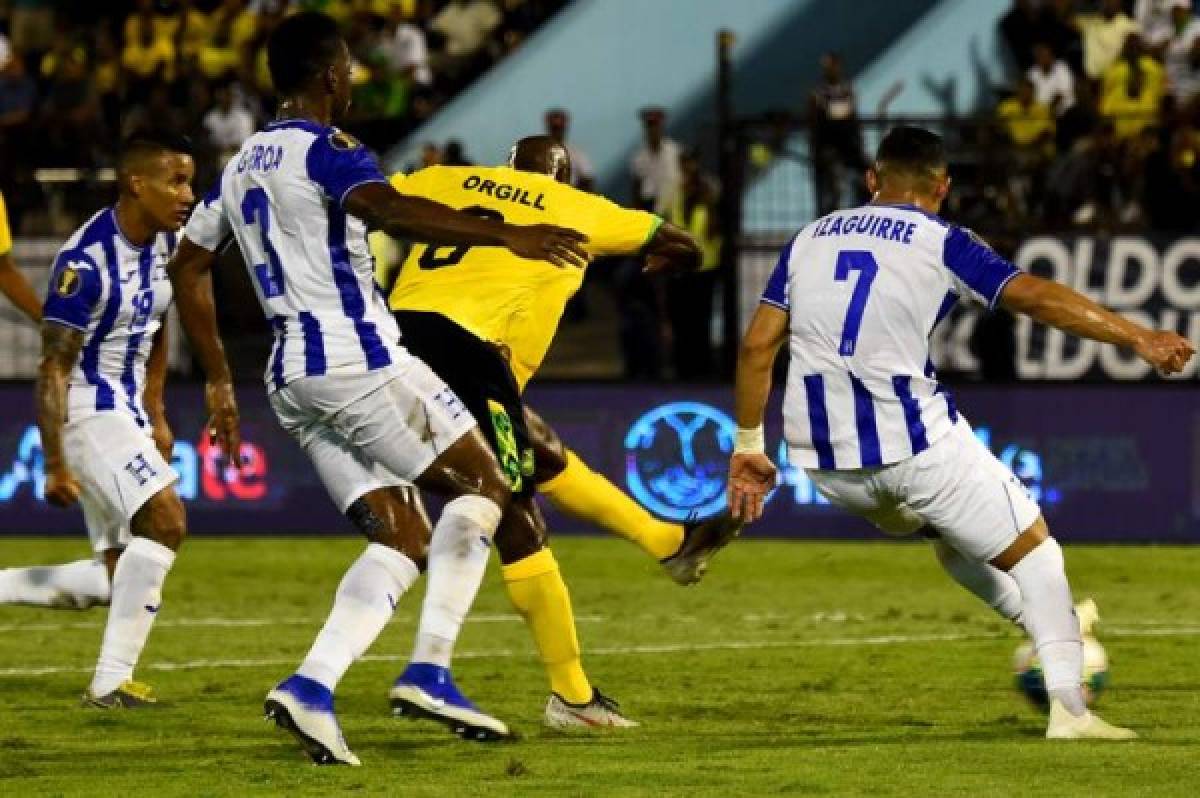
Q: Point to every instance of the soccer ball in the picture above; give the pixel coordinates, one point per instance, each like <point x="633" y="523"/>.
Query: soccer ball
<point x="1028" y="670"/>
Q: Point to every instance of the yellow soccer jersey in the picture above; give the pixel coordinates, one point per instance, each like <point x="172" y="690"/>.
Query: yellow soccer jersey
<point x="491" y="292"/>
<point x="5" y="233"/>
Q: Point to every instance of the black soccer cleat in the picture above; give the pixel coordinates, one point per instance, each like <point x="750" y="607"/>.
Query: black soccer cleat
<point x="701" y="541"/>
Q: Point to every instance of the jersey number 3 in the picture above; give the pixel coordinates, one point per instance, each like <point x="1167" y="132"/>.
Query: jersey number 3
<point x="431" y="259"/>
<point x="852" y="260"/>
<point x="256" y="209"/>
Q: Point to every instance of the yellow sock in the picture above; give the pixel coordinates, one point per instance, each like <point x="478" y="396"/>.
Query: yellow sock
<point x="581" y="492"/>
<point x="537" y="590"/>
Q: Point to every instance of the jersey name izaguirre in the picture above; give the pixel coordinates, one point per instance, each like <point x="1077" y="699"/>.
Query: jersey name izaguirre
<point x="864" y="289"/>
<point x="281" y="197"/>
<point x="116" y="294"/>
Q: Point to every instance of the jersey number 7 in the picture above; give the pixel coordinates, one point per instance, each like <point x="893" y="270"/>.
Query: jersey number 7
<point x="861" y="261"/>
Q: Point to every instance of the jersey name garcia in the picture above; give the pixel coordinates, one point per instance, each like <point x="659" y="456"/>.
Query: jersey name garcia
<point x="863" y="289"/>
<point x="281" y="197"/>
<point x="492" y="293"/>
<point x="116" y="294"/>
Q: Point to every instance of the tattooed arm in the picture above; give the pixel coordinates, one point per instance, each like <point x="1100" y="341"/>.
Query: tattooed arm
<point x="60" y="351"/>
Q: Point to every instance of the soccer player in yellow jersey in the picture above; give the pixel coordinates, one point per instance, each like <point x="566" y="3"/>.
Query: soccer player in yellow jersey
<point x="12" y="283"/>
<point x="484" y="320"/>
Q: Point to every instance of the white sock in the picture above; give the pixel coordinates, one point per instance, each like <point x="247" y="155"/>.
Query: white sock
<point x="458" y="556"/>
<point x="364" y="603"/>
<point x="136" y="597"/>
<point x="73" y="586"/>
<point x="997" y="589"/>
<point x="1050" y="620"/>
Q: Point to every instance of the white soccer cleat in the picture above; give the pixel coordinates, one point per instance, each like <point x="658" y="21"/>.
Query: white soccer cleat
<point x="428" y="691"/>
<point x="1088" y="614"/>
<point x="1088" y="726"/>
<point x="601" y="712"/>
<point x="304" y="708"/>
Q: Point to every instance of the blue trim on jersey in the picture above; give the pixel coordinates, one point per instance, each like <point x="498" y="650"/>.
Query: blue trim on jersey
<point x="314" y="345"/>
<point x="948" y="303"/>
<point x="90" y="358"/>
<point x="128" y="377"/>
<point x="353" y="304"/>
<point x="864" y="418"/>
<point x="776" y="291"/>
<point x="172" y="240"/>
<point x="951" y="410"/>
<point x="339" y="169"/>
<point x="297" y="124"/>
<point x="933" y="217"/>
<point x="902" y="383"/>
<point x="74" y="311"/>
<point x="976" y="264"/>
<point x="818" y="421"/>
<point x="214" y="193"/>
<point x="279" y="325"/>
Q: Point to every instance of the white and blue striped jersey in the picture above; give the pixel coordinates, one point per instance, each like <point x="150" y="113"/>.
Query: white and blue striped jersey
<point x="863" y="289"/>
<point x="116" y="294"/>
<point x="281" y="197"/>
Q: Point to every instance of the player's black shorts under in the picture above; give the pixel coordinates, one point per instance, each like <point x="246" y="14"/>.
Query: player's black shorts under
<point x="480" y="376"/>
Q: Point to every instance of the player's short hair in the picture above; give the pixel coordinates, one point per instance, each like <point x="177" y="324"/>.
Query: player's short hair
<point x="912" y="150"/>
<point x="300" y="49"/>
<point x="147" y="143"/>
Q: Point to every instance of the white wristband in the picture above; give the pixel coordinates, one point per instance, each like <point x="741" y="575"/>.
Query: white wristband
<point x="749" y="440"/>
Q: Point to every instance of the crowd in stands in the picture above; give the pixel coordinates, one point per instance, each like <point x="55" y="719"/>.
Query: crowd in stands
<point x="1103" y="122"/>
<point x="75" y="76"/>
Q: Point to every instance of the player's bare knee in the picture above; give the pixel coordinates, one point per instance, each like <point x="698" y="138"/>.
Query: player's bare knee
<point x="387" y="516"/>
<point x="161" y="519"/>
<point x="549" y="453"/>
<point x="522" y="532"/>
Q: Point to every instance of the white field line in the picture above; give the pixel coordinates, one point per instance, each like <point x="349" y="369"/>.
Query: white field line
<point x="253" y="622"/>
<point x="651" y="649"/>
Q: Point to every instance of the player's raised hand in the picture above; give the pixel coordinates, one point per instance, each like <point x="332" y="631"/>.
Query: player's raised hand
<point x="560" y="246"/>
<point x="224" y="422"/>
<point x="751" y="477"/>
<point x="1167" y="351"/>
<point x="62" y="489"/>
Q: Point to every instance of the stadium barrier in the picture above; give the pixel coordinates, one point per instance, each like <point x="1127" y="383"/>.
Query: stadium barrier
<point x="1109" y="464"/>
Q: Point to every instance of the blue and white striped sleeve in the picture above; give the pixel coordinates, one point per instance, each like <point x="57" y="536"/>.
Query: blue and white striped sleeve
<point x="74" y="290"/>
<point x="338" y="163"/>
<point x="977" y="271"/>
<point x="208" y="227"/>
<point x="776" y="292"/>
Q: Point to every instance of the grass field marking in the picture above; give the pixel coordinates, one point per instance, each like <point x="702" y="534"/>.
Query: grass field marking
<point x="256" y="622"/>
<point x="650" y="649"/>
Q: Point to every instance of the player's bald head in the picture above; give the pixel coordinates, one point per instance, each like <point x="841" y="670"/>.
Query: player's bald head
<point x="543" y="155"/>
<point x="911" y="155"/>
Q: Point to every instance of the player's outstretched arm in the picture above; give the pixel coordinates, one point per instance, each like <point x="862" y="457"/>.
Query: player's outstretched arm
<point x="671" y="250"/>
<point x="60" y="350"/>
<point x="152" y="397"/>
<point x="751" y="472"/>
<point x="1058" y="306"/>
<point x="18" y="290"/>
<point x="406" y="216"/>
<point x="190" y="271"/>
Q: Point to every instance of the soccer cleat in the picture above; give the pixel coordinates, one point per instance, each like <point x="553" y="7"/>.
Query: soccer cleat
<point x="1088" y="726"/>
<point x="701" y="540"/>
<point x="601" y="712"/>
<point x="130" y="695"/>
<point x="1089" y="615"/>
<point x="428" y="691"/>
<point x="305" y="708"/>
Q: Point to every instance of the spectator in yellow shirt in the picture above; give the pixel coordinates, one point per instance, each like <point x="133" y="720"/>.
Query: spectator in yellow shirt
<point x="1133" y="90"/>
<point x="1028" y="123"/>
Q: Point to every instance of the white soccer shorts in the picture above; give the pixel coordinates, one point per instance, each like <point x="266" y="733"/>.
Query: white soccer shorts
<point x="956" y="486"/>
<point x="369" y="431"/>
<point x="119" y="469"/>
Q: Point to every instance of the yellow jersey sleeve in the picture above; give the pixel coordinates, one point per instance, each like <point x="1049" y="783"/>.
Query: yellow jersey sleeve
<point x="5" y="233"/>
<point x="611" y="229"/>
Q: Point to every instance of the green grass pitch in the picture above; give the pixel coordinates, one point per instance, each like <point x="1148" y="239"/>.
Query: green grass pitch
<point x="803" y="668"/>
